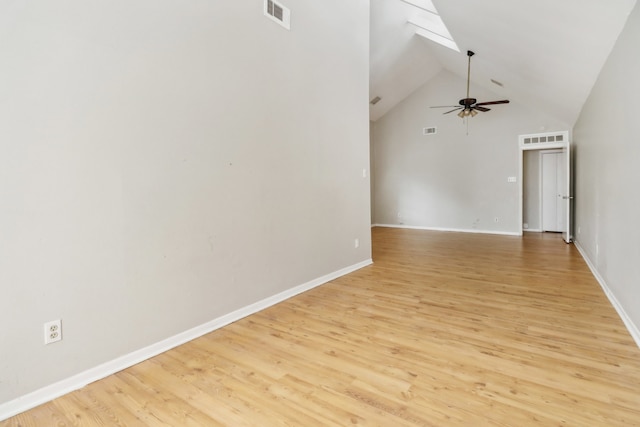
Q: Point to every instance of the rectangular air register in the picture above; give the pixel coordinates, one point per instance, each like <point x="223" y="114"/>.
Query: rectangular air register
<point x="429" y="131"/>
<point x="542" y="139"/>
<point x="538" y="141"/>
<point x="277" y="13"/>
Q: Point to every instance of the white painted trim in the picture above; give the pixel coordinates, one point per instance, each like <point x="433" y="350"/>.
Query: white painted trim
<point x="532" y="230"/>
<point x="631" y="327"/>
<point x="454" y="230"/>
<point x="75" y="382"/>
<point x="544" y="146"/>
<point x="521" y="191"/>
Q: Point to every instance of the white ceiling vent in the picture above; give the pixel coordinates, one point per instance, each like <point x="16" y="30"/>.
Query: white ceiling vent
<point x="278" y="13"/>
<point x="429" y="131"/>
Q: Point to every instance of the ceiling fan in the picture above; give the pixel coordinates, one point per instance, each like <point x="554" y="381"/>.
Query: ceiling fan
<point x="470" y="106"/>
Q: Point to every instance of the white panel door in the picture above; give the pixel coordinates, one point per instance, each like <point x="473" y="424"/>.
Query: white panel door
<point x="554" y="178"/>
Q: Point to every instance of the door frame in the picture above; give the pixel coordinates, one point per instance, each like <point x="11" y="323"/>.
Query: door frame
<point x="544" y="141"/>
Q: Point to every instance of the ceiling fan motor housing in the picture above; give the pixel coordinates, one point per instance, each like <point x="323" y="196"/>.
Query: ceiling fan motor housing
<point x="467" y="102"/>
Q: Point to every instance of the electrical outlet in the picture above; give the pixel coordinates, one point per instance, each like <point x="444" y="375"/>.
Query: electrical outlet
<point x="356" y="243"/>
<point x="52" y="331"/>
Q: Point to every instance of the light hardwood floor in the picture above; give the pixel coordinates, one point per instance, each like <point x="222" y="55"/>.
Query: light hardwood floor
<point x="445" y="329"/>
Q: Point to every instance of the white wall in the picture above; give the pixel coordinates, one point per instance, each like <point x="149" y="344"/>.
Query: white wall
<point x="607" y="154"/>
<point x="451" y="180"/>
<point x="164" y="163"/>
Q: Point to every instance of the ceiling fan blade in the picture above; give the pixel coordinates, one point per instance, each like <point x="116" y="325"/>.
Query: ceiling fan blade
<point x="483" y="109"/>
<point x="503" y="101"/>
<point x="455" y="109"/>
<point x="444" y="106"/>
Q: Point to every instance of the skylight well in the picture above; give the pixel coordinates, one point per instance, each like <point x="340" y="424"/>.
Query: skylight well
<point x="430" y="25"/>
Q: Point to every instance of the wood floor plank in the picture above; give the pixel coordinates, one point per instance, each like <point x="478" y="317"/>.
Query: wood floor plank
<point x="43" y="415"/>
<point x="444" y="329"/>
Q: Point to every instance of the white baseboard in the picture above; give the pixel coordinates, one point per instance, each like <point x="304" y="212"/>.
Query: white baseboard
<point x="631" y="327"/>
<point x="50" y="392"/>
<point x="455" y="230"/>
<point x="532" y="230"/>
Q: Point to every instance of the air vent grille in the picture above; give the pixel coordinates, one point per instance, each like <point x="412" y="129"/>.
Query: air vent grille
<point x="543" y="139"/>
<point x="278" y="13"/>
<point x="429" y="131"/>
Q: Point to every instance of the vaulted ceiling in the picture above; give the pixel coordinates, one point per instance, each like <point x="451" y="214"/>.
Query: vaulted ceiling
<point x="546" y="53"/>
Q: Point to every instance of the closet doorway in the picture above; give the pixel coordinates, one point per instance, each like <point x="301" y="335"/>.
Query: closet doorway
<point x="545" y="183"/>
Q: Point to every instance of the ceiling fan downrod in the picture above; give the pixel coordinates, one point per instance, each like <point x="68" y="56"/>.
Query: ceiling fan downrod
<point x="469" y="54"/>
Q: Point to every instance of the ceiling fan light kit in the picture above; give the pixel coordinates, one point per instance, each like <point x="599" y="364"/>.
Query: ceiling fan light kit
<point x="466" y="113"/>
<point x="470" y="106"/>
